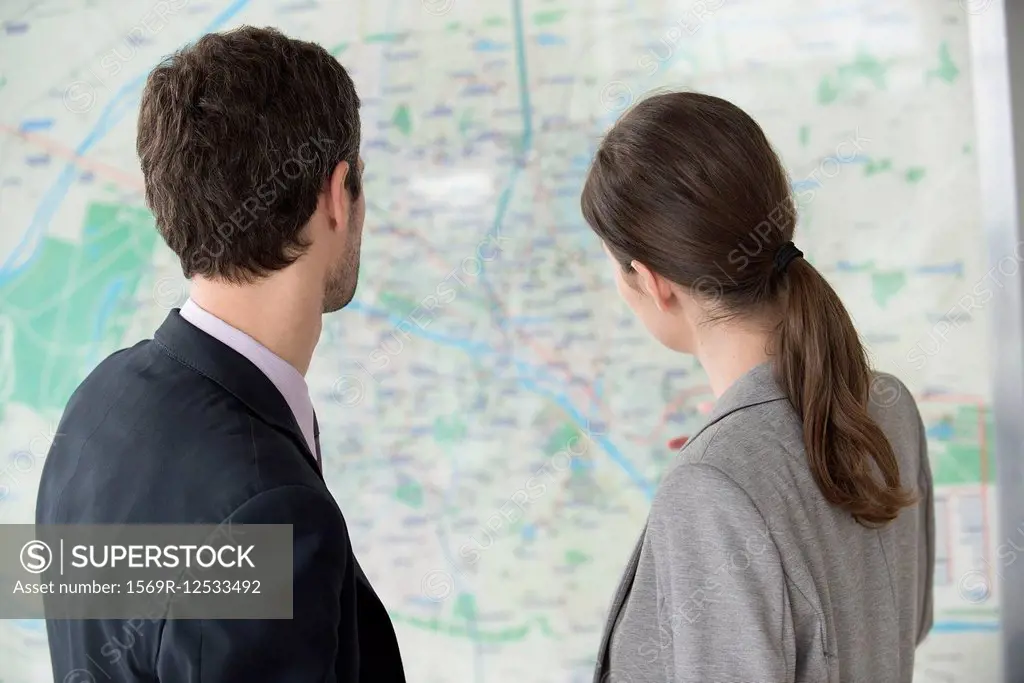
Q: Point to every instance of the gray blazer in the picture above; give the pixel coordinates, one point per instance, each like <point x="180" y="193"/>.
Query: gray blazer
<point x="745" y="573"/>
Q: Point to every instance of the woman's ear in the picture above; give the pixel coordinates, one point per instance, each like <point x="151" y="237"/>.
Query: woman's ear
<point x="654" y="286"/>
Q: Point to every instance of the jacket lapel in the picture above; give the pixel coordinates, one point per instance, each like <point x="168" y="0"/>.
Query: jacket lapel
<point x="234" y="373"/>
<point x="617" y="602"/>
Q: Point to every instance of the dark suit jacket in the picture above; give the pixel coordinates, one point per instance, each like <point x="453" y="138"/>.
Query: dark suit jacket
<point x="181" y="429"/>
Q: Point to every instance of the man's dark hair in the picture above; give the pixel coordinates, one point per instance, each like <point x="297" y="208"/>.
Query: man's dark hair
<point x="238" y="134"/>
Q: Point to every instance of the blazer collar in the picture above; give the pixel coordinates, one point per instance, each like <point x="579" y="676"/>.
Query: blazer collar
<point x="233" y="372"/>
<point x="757" y="386"/>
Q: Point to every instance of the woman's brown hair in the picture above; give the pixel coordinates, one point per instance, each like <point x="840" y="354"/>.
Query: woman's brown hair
<point x="688" y="185"/>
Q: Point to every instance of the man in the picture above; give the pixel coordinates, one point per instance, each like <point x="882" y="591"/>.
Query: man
<point x="249" y="144"/>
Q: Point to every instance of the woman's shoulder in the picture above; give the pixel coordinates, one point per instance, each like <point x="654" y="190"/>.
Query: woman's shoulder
<point x="887" y="391"/>
<point x="746" y="442"/>
<point x="892" y="405"/>
<point x="759" y="449"/>
<point x="894" y="410"/>
<point x="720" y="466"/>
<point x="701" y="493"/>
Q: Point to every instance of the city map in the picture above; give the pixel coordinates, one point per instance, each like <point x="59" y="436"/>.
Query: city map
<point x="494" y="421"/>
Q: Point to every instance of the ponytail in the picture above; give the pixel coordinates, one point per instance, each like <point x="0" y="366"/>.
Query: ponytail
<point x="824" y="371"/>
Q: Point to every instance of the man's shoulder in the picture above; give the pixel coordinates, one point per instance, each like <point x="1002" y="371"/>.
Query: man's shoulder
<point x="141" y="352"/>
<point x="136" y="365"/>
<point x="146" y="380"/>
<point x="149" y="439"/>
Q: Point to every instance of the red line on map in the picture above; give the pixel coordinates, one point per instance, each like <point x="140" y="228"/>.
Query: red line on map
<point x="57" y="149"/>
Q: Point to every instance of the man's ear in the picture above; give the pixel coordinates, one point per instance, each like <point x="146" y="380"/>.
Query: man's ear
<point x="339" y="203"/>
<point x="654" y="286"/>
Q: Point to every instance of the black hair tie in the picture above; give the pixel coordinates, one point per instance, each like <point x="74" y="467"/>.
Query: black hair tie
<point x="786" y="253"/>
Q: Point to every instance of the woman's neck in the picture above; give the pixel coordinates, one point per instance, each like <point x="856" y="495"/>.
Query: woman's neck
<point x="728" y="351"/>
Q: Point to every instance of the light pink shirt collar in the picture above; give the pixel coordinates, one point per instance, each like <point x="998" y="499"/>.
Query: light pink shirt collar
<point x="280" y="372"/>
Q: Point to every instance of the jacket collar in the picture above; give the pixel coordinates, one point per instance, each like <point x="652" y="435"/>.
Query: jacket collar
<point x="233" y="372"/>
<point x="757" y="386"/>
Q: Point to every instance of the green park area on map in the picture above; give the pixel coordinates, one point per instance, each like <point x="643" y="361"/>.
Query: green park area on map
<point x="68" y="304"/>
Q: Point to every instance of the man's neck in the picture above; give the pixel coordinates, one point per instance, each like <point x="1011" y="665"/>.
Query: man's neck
<point x="280" y="312"/>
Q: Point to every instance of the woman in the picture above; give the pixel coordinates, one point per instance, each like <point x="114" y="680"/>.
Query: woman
<point x="792" y="538"/>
